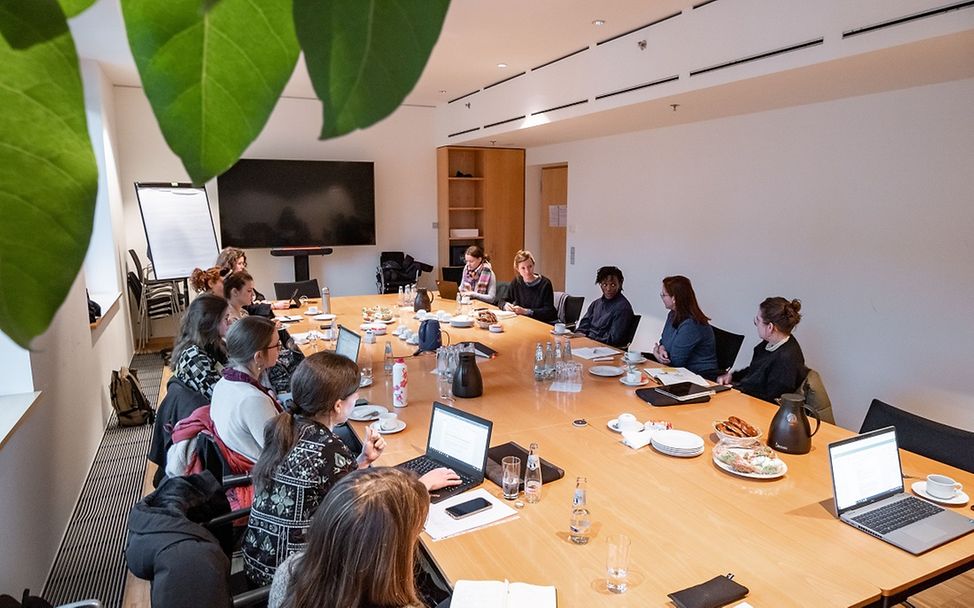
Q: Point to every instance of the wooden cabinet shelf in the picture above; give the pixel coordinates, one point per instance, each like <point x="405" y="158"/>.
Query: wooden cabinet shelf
<point x="492" y="201"/>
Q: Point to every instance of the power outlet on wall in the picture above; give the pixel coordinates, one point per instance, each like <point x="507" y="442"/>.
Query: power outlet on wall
<point x="436" y="225"/>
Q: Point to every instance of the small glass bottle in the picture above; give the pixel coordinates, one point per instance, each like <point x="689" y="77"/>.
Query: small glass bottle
<point x="402" y="296"/>
<point x="532" y="476"/>
<point x="387" y="360"/>
<point x="566" y="352"/>
<point x="549" y="361"/>
<point x="557" y="350"/>
<point x="581" y="519"/>
<point x="538" y="362"/>
<point x="459" y="309"/>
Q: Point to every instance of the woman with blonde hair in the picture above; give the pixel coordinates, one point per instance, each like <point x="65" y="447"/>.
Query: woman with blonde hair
<point x="531" y="294"/>
<point x="302" y="460"/>
<point x="361" y="550"/>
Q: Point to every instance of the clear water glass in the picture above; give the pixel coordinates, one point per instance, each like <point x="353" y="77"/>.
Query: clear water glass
<point x="511" y="480"/>
<point x="617" y="563"/>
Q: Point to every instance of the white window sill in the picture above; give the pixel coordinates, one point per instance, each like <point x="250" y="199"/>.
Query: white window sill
<point x="13" y="410"/>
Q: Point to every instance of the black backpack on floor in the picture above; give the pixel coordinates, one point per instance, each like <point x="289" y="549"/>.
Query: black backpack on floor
<point x="128" y="400"/>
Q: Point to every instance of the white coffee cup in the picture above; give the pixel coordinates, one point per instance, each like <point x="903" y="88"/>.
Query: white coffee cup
<point x="941" y="486"/>
<point x="388" y="421"/>
<point x="496" y="328"/>
<point x="560" y="328"/>
<point x="633" y="355"/>
<point x="628" y="422"/>
<point x="312" y="310"/>
<point x="634" y="376"/>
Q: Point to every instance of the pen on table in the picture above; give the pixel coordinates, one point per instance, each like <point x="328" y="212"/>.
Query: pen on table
<point x="603" y="358"/>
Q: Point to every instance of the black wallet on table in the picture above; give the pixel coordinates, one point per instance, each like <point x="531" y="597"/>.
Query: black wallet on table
<point x="718" y="591"/>
<point x="654" y="397"/>
<point x="495" y="473"/>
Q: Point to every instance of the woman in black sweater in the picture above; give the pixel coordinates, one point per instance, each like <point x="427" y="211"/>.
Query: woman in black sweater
<point x="778" y="365"/>
<point x="531" y="294"/>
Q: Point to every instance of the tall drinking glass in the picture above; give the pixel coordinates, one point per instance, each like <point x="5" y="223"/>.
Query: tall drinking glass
<point x="617" y="563"/>
<point x="511" y="481"/>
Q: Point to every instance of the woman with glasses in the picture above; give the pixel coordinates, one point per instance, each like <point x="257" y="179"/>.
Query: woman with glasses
<point x="609" y="318"/>
<point x="241" y="405"/>
<point x="777" y="365"/>
<point x="303" y="458"/>
<point x="688" y="339"/>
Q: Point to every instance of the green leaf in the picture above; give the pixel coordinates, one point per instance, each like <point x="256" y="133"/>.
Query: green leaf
<point x="75" y="7"/>
<point x="212" y="71"/>
<point x="48" y="174"/>
<point x="365" y="56"/>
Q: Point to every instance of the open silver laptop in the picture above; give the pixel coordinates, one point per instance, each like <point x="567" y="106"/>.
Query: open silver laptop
<point x="348" y="343"/>
<point x="867" y="483"/>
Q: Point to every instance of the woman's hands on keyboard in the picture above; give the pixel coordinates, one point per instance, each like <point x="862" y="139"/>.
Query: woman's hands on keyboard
<point x="440" y="478"/>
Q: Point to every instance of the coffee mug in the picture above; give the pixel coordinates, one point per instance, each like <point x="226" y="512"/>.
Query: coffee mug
<point x="312" y="310"/>
<point x="560" y="328"/>
<point x="634" y="376"/>
<point x="628" y="422"/>
<point x="941" y="486"/>
<point x="388" y="421"/>
<point x="633" y="355"/>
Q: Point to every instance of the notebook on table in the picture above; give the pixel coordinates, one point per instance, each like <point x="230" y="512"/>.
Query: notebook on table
<point x="457" y="440"/>
<point x="867" y="484"/>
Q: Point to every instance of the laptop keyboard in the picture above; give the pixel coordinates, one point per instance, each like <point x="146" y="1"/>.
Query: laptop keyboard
<point x="896" y="515"/>
<point x="424" y="465"/>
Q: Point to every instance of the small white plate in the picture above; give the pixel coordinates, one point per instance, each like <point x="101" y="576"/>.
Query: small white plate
<point x="366" y="413"/>
<point x="641" y="359"/>
<point x="606" y="371"/>
<point x="561" y="333"/>
<point x="309" y="313"/>
<point x="920" y="487"/>
<point x="325" y="317"/>
<point x="614" y="426"/>
<point x="363" y="382"/>
<point x="377" y="426"/>
<point x="461" y="321"/>
<point x="642" y="382"/>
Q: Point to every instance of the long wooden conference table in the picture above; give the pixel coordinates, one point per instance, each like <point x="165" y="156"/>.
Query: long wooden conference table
<point x="688" y="520"/>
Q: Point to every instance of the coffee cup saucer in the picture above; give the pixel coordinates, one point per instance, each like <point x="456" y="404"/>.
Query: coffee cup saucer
<point x="377" y="427"/>
<point x="920" y="487"/>
<point x="637" y="361"/>
<point x="643" y="382"/>
<point x="614" y="426"/>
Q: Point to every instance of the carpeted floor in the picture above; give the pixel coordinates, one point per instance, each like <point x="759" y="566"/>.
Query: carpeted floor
<point x="91" y="560"/>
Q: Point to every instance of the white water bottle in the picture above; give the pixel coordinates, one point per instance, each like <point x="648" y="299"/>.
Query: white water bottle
<point x="400" y="381"/>
<point x="325" y="300"/>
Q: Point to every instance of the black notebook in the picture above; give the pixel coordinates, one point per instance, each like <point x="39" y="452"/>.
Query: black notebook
<point x="481" y="349"/>
<point x="549" y="472"/>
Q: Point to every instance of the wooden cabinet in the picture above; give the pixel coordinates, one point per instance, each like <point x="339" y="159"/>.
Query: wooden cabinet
<point x="480" y="201"/>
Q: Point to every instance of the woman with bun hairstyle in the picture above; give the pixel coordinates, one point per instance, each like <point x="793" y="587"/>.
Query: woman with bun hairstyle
<point x="303" y="458"/>
<point x="362" y="546"/>
<point x="479" y="281"/>
<point x="207" y="281"/>
<point x="531" y="294"/>
<point x="688" y="339"/>
<point x="199" y="353"/>
<point x="777" y="365"/>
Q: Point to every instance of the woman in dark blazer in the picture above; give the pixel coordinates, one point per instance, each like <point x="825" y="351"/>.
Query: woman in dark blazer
<point x="531" y="294"/>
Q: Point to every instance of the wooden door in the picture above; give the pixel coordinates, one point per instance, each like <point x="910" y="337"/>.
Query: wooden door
<point x="554" y="213"/>
<point x="503" y="215"/>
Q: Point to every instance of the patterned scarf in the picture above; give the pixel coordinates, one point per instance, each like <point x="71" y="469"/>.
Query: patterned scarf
<point x="478" y="279"/>
<point x="235" y="375"/>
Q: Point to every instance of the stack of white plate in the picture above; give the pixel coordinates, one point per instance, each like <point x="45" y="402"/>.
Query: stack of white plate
<point x="678" y="443"/>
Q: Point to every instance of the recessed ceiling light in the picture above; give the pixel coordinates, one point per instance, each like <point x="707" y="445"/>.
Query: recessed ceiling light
<point x="502" y="65"/>
<point x="442" y="90"/>
<point x="598" y="22"/>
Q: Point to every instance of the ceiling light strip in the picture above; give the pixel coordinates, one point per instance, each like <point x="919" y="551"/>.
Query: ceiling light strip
<point x="505" y="80"/>
<point x="494" y="124"/>
<point x="462" y="96"/>
<point x="788" y="49"/>
<point x="638" y="86"/>
<point x="567" y="105"/>
<point x="463" y="132"/>
<point x="641" y="27"/>
<point x="906" y="19"/>
<point x="572" y="54"/>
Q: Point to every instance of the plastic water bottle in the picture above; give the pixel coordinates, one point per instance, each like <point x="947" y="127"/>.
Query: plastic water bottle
<point x="581" y="519"/>
<point x="549" y="361"/>
<point x="400" y="382"/>
<point x="538" y="362"/>
<point x="325" y="300"/>
<point x="387" y="360"/>
<point x="532" y="476"/>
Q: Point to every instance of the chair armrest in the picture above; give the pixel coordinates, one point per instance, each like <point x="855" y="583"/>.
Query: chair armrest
<point x="236" y="481"/>
<point x="226" y="518"/>
<point x="254" y="597"/>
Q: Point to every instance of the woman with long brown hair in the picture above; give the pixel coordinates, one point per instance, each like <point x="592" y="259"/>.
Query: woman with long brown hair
<point x="688" y="339"/>
<point x="479" y="281"/>
<point x="303" y="458"/>
<point x="200" y="354"/>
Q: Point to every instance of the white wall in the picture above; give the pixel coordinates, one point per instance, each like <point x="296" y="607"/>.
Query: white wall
<point x="860" y="207"/>
<point x="45" y="462"/>
<point x="405" y="184"/>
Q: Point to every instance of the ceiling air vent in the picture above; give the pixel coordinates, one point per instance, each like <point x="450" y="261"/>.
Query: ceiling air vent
<point x="505" y="80"/>
<point x="787" y="49"/>
<point x="562" y="107"/>
<point x="494" y="124"/>
<point x="463" y="132"/>
<point x="572" y="54"/>
<point x="906" y="19"/>
<point x="462" y="96"/>
<point x="639" y="86"/>
<point x="641" y="27"/>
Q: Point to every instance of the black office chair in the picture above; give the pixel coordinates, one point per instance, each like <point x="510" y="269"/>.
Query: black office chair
<point x="816" y="397"/>
<point x="452" y="273"/>
<point x="727" y="345"/>
<point x="632" y="331"/>
<point x="309" y="288"/>
<point x="921" y="436"/>
<point x="573" y="310"/>
<point x="397" y="269"/>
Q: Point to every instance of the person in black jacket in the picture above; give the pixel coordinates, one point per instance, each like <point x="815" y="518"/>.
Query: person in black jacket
<point x="609" y="318"/>
<point x="778" y="365"/>
<point x="181" y="401"/>
<point x="531" y="294"/>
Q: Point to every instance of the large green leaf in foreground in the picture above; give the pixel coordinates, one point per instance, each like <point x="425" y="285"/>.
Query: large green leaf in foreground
<point x="212" y="71"/>
<point x="365" y="56"/>
<point x="74" y="7"/>
<point x="48" y="175"/>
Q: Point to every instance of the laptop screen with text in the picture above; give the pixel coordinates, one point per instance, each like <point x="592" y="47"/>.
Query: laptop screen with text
<point x="461" y="438"/>
<point x="348" y="343"/>
<point x="865" y="468"/>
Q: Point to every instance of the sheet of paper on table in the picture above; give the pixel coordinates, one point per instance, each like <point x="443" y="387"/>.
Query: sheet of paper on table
<point x="440" y="525"/>
<point x="672" y="375"/>
<point x="501" y="594"/>
<point x="595" y="352"/>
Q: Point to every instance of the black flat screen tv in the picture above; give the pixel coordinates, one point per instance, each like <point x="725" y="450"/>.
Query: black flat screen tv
<point x="297" y="203"/>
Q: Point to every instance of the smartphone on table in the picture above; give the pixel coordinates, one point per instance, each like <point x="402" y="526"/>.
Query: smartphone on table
<point x="466" y="509"/>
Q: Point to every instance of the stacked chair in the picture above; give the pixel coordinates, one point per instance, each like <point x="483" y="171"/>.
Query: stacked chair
<point x="155" y="299"/>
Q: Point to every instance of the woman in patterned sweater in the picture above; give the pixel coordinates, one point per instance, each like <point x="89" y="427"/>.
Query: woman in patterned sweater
<point x="303" y="459"/>
<point x="200" y="353"/>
